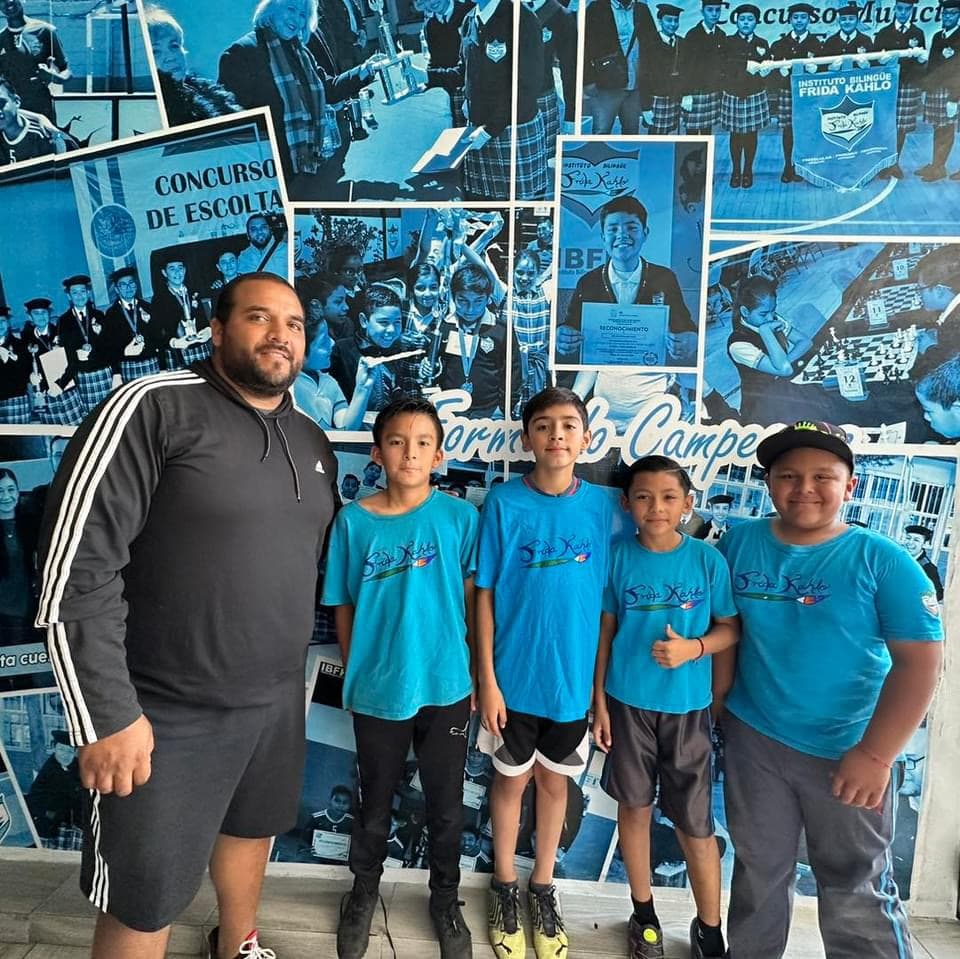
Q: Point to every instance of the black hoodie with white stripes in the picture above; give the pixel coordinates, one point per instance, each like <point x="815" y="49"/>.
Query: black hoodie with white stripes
<point x="179" y="550"/>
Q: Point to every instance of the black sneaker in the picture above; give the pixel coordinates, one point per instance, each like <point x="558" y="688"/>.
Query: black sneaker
<point x="250" y="948"/>
<point x="452" y="932"/>
<point x="356" y="914"/>
<point x="645" y="942"/>
<point x="696" y="944"/>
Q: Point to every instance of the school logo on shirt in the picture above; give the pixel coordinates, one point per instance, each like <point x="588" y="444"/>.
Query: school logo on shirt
<point x="496" y="50"/>
<point x="540" y="553"/>
<point x="804" y="590"/>
<point x="648" y="598"/>
<point x="930" y="604"/>
<point x="384" y="563"/>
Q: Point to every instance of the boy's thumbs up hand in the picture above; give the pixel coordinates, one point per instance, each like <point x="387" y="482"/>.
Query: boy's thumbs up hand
<point x="675" y="650"/>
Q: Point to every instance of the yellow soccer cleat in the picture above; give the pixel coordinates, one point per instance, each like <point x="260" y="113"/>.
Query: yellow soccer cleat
<point x="504" y="922"/>
<point x="549" y="936"/>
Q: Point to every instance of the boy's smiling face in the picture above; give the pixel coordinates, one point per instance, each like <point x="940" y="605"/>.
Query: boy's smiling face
<point x="382" y="326"/>
<point x="656" y="503"/>
<point x="808" y="487"/>
<point x="556" y="436"/>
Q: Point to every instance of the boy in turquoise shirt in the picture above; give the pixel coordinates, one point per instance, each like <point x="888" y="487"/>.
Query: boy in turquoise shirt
<point x="667" y="609"/>
<point x="541" y="569"/>
<point x="837" y="664"/>
<point x="400" y="574"/>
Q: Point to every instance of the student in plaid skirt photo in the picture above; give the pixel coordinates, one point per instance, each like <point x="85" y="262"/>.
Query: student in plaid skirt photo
<point x="183" y="328"/>
<point x="81" y="335"/>
<point x="703" y="47"/>
<point x="132" y="338"/>
<point x="745" y="108"/>
<point x="797" y="43"/>
<point x="942" y="82"/>
<point x="663" y="68"/>
<point x="15" y="366"/>
<point x="902" y="34"/>
<point x="558" y="27"/>
<point x="486" y="62"/>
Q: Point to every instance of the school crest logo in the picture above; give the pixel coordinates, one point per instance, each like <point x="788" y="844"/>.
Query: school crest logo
<point x="846" y="123"/>
<point x="595" y="174"/>
<point x="113" y="230"/>
<point x="496" y="50"/>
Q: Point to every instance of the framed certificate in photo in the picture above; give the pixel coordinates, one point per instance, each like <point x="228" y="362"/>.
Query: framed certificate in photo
<point x="615" y="335"/>
<point x="331" y="845"/>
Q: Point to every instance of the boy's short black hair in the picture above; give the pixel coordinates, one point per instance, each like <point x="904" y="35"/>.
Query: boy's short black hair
<point x="942" y="384"/>
<point x="471" y="279"/>
<point x="402" y="405"/>
<point x="553" y="396"/>
<point x="655" y="464"/>
<point x="624" y="204"/>
<point x="341" y="790"/>
<point x="377" y="296"/>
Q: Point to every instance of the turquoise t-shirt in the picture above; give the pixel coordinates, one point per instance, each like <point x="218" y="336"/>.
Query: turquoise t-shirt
<point x="685" y="589"/>
<point x="545" y="558"/>
<point x="815" y="623"/>
<point x="404" y="577"/>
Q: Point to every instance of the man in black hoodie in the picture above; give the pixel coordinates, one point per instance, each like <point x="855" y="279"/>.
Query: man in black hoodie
<point x="179" y="553"/>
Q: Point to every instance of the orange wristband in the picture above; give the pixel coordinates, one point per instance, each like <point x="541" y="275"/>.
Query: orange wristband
<point x="870" y="755"/>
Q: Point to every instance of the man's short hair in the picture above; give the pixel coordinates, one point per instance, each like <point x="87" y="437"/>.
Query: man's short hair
<point x="553" y="396"/>
<point x="623" y="204"/>
<point x="403" y="405"/>
<point x="471" y="279"/>
<point x="228" y="295"/>
<point x="257" y="216"/>
<point x="655" y="464"/>
<point x="940" y="268"/>
<point x="942" y="384"/>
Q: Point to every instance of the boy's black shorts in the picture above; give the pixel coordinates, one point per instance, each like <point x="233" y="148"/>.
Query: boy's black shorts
<point x="234" y="771"/>
<point x="674" y="747"/>
<point x="527" y="739"/>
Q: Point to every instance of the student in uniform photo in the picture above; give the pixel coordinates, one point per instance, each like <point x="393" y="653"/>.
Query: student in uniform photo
<point x="713" y="530"/>
<point x="942" y="85"/>
<point x="797" y="44"/>
<point x="337" y="816"/>
<point x="839" y="656"/>
<point x="663" y="68"/>
<point x="441" y="31"/>
<point x="558" y="30"/>
<point x="849" y="39"/>
<point x="32" y="56"/>
<point x="615" y="36"/>
<point x="903" y="34"/>
<point x="704" y="52"/>
<point x="133" y="341"/>
<point x="40" y="337"/>
<point x="15" y="369"/>
<point x="745" y="107"/>
<point x="182" y="325"/>
<point x="916" y="541"/>
<point x="82" y="336"/>
<point x="627" y="277"/>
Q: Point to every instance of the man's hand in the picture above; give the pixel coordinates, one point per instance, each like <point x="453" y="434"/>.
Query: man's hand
<point x="117" y="763"/>
<point x="860" y="780"/>
<point x="569" y="340"/>
<point x="493" y="709"/>
<point x="675" y="650"/>
<point x="682" y="347"/>
<point x="601" y="726"/>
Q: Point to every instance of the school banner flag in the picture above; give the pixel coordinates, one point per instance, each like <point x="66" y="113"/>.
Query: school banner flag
<point x="845" y="125"/>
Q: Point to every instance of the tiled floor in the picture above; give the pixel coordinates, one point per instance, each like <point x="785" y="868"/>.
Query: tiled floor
<point x="44" y="916"/>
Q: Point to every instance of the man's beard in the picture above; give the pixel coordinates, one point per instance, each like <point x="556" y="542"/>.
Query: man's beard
<point x="244" y="371"/>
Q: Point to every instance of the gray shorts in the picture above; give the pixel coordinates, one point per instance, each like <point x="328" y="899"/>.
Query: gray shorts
<point x="676" y="748"/>
<point x="232" y="771"/>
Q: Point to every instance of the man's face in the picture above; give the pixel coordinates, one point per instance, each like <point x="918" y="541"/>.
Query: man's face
<point x="261" y="346"/>
<point x="79" y="295"/>
<point x="809" y="487"/>
<point x="951" y="17"/>
<point x="623" y="237"/>
<point x="57" y="446"/>
<point x="746" y="24"/>
<point x="227" y="265"/>
<point x="175" y="273"/>
<point x="371" y="474"/>
<point x="168" y="52"/>
<point x="382" y="326"/>
<point x="470" y="306"/>
<point x="711" y="14"/>
<point x="799" y="22"/>
<point x="64" y="753"/>
<point x="914" y="544"/>
<point x="350" y="486"/>
<point x="259" y="232"/>
<point x="9" y="105"/>
<point x="545" y="232"/>
<point x="848" y="22"/>
<point x="944" y="420"/>
<point x="318" y="355"/>
<point x="669" y="23"/>
<point x="40" y="318"/>
<point x="903" y="12"/>
<point x="288" y="18"/>
<point x="336" y="309"/>
<point x="127" y="288"/>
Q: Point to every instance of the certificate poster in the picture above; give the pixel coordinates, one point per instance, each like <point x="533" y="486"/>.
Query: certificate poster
<point x="615" y="335"/>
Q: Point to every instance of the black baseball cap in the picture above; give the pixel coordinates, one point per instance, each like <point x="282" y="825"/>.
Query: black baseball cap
<point x="806" y="433"/>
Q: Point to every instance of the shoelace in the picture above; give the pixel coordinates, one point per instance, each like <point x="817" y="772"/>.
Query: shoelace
<point x="253" y="950"/>
<point x="453" y="918"/>
<point x="548" y="912"/>
<point x="509" y="908"/>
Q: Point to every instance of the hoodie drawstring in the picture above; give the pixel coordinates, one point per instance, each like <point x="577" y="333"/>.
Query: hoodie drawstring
<point x="286" y="451"/>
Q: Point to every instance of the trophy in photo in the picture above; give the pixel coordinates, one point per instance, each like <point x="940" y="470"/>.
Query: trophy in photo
<point x="393" y="65"/>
